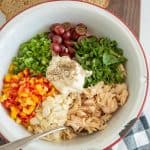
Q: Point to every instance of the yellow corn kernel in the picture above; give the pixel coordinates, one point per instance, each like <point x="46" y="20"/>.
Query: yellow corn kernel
<point x="7" y="78"/>
<point x="39" y="88"/>
<point x="13" y="113"/>
<point x="3" y="98"/>
<point x="22" y="114"/>
<point x="14" y="85"/>
<point x="23" y="94"/>
<point x="18" y="99"/>
<point x="6" y="90"/>
<point x="20" y="75"/>
<point x="35" y="98"/>
<point x="6" y="85"/>
<point x="25" y="101"/>
<point x="40" y="80"/>
<point x="28" y="110"/>
<point x="29" y="101"/>
<point x="32" y="81"/>
<point x="15" y="77"/>
<point x="18" y="120"/>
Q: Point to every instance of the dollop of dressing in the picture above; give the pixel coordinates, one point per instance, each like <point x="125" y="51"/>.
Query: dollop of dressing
<point x="66" y="74"/>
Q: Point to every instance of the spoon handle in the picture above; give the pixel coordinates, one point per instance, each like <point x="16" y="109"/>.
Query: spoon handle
<point x="22" y="142"/>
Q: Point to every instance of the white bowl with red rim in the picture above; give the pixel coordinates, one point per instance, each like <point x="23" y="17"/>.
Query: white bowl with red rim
<point x="37" y="19"/>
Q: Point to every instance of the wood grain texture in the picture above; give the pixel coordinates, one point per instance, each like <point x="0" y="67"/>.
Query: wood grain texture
<point x="128" y="11"/>
<point x="12" y="7"/>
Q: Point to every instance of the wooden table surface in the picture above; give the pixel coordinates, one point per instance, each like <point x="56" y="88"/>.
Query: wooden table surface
<point x="128" y="11"/>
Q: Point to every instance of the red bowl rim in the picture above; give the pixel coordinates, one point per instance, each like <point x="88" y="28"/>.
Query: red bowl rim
<point x="142" y="49"/>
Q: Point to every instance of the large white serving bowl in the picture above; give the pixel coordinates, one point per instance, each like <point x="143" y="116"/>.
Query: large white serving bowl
<point x="100" y="22"/>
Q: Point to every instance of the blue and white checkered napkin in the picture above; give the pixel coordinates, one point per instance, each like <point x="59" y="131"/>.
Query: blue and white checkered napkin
<point x="138" y="138"/>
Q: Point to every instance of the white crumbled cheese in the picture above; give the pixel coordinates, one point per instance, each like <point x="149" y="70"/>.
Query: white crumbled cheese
<point x="52" y="113"/>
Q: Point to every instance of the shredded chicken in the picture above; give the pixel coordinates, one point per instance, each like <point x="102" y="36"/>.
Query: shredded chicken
<point x="87" y="111"/>
<point x="92" y="108"/>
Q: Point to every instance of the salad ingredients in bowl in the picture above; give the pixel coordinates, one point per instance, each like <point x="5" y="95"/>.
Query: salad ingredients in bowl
<point x="104" y="99"/>
<point x="65" y="76"/>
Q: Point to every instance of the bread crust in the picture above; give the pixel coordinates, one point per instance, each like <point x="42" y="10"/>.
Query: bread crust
<point x="102" y="3"/>
<point x="12" y="7"/>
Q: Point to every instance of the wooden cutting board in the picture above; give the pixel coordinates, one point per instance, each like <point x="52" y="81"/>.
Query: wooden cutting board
<point x="128" y="11"/>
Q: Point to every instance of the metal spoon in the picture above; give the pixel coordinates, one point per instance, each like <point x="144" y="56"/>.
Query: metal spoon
<point x="24" y="141"/>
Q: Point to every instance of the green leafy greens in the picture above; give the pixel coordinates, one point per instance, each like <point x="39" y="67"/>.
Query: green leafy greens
<point x="34" y="54"/>
<point x="103" y="57"/>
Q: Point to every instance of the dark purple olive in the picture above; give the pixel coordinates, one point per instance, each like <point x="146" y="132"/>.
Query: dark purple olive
<point x="64" y="53"/>
<point x="67" y="50"/>
<point x="56" y="47"/>
<point x="63" y="48"/>
<point x="67" y="35"/>
<point x="59" y="29"/>
<point x="68" y="43"/>
<point x="67" y="26"/>
<point x="74" y="35"/>
<point x="50" y="35"/>
<point x="71" y="52"/>
<point x="57" y="39"/>
<point x="52" y="27"/>
<point x="81" y="29"/>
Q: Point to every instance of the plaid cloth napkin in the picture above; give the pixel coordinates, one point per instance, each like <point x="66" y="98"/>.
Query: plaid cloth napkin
<point x="138" y="138"/>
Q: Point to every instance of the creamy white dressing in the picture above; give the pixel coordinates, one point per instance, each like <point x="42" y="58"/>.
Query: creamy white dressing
<point x="66" y="74"/>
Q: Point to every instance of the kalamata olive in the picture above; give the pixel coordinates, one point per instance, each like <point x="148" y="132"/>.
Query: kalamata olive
<point x="81" y="38"/>
<point x="68" y="43"/>
<point x="67" y="35"/>
<point x="71" y="52"/>
<point x="74" y="35"/>
<point x="64" y="52"/>
<point x="50" y="35"/>
<point x="67" y="51"/>
<point x="63" y="48"/>
<point x="57" y="39"/>
<point x="81" y="29"/>
<point x="53" y="26"/>
<point x="56" y="47"/>
<point x="67" y="26"/>
<point x="59" y="29"/>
